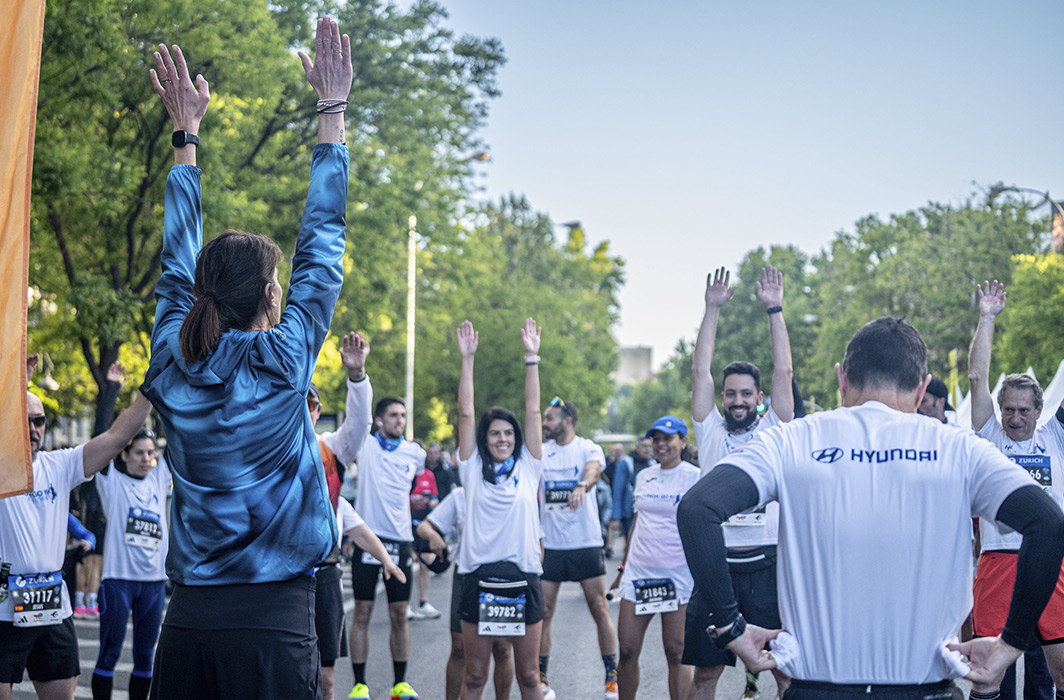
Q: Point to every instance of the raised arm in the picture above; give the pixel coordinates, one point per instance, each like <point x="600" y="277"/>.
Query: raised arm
<point x="770" y="292"/>
<point x="105" y="407"/>
<point x="99" y="451"/>
<point x="703" y="392"/>
<point x="467" y="421"/>
<point x="533" y="416"/>
<point x="317" y="266"/>
<point x="348" y="439"/>
<point x="991" y="303"/>
<point x="182" y="219"/>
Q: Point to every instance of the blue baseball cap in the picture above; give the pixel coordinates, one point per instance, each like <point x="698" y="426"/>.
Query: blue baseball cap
<point x="669" y="425"/>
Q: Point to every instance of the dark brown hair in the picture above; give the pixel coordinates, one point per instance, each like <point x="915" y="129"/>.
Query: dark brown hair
<point x="231" y="273"/>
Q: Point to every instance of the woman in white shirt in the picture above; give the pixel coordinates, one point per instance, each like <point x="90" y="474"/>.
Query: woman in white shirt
<point x="501" y="555"/>
<point x="654" y="577"/>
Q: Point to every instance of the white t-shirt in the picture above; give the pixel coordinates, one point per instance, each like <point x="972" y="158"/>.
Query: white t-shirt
<point x="136" y="539"/>
<point x="563" y="467"/>
<point x="384" y="477"/>
<point x="502" y="519"/>
<point x="875" y="570"/>
<point x="751" y="529"/>
<point x="449" y="516"/>
<point x="655" y="550"/>
<point x="1040" y="456"/>
<point x="346" y="517"/>
<point x="33" y="526"/>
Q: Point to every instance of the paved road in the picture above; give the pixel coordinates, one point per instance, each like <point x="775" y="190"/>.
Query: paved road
<point x="575" y="668"/>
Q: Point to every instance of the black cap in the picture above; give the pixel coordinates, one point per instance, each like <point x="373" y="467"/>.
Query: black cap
<point x="937" y="388"/>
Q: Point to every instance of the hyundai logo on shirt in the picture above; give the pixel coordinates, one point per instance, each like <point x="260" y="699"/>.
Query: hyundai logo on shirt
<point x="828" y="455"/>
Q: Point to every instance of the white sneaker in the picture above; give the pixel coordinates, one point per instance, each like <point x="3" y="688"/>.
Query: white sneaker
<point x="548" y="692"/>
<point x="410" y="614"/>
<point x="425" y="611"/>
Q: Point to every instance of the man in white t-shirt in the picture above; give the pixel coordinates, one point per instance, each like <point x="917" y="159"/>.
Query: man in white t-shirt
<point x="750" y="537"/>
<point x="36" y="630"/>
<point x="387" y="465"/>
<point x="875" y="521"/>
<point x="572" y="533"/>
<point x="1040" y="452"/>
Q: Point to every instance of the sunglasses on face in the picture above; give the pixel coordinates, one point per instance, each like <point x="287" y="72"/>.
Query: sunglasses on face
<point x="39" y="421"/>
<point x="313" y="404"/>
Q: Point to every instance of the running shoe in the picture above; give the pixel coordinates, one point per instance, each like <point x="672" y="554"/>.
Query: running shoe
<point x="81" y="612"/>
<point x="426" y="611"/>
<point x="359" y="692"/>
<point x="403" y="691"/>
<point x="410" y="614"/>
<point x="751" y="686"/>
<point x="611" y="690"/>
<point x="93" y="612"/>
<point x="548" y="692"/>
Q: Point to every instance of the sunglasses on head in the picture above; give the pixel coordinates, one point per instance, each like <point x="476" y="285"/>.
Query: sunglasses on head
<point x="39" y="420"/>
<point x="558" y="402"/>
<point x="144" y="433"/>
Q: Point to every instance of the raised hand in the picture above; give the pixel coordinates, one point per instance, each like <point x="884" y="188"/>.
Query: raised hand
<point x="750" y="647"/>
<point x="717" y="289"/>
<point x="991" y="298"/>
<point x="353" y="351"/>
<point x="31" y="364"/>
<point x="530" y="337"/>
<point x="770" y="288"/>
<point x="186" y="103"/>
<point x="988" y="657"/>
<point x="117" y="373"/>
<point x="330" y="74"/>
<point x="467" y="339"/>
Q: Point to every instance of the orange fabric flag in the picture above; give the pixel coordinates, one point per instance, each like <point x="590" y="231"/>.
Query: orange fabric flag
<point x="20" y="56"/>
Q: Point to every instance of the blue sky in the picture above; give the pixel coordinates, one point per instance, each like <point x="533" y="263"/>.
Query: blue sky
<point x="687" y="133"/>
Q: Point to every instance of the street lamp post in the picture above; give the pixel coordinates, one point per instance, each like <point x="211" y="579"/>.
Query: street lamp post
<point x="1058" y="236"/>
<point x="411" y="302"/>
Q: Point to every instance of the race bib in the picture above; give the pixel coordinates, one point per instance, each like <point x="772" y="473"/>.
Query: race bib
<point x="556" y="494"/>
<point x="143" y="529"/>
<point x="1040" y="469"/>
<point x="654" y="595"/>
<point x="502" y="608"/>
<point x="393" y="553"/>
<point x="37" y="599"/>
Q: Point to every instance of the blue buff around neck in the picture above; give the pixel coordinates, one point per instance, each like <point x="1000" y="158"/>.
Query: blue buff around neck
<point x="387" y="444"/>
<point x="505" y="468"/>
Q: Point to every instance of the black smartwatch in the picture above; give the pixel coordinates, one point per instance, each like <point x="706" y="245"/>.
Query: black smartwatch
<point x="723" y="639"/>
<point x="183" y="138"/>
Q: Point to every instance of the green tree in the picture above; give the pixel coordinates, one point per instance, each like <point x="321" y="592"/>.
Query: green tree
<point x="102" y="155"/>
<point x="1030" y="325"/>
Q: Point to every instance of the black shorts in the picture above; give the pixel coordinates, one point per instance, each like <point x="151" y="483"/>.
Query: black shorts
<point x="469" y="605"/>
<point x="754" y="583"/>
<point x="329" y="614"/>
<point x="364" y="577"/>
<point x="239" y="642"/>
<point x="49" y="653"/>
<point x="573" y="564"/>
<point x="816" y="690"/>
<point x="456" y="598"/>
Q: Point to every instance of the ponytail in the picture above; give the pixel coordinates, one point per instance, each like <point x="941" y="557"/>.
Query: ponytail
<point x="231" y="272"/>
<point x="201" y="330"/>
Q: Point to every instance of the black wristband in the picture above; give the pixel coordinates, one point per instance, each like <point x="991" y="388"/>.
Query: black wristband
<point x="723" y="639"/>
<point x="774" y="310"/>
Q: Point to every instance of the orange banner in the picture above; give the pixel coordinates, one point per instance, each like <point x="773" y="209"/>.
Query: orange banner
<point x="20" y="56"/>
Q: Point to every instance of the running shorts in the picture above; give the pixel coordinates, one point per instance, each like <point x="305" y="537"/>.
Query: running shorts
<point x="573" y="564"/>
<point x="364" y="576"/>
<point x="329" y="614"/>
<point x="469" y="606"/>
<point x="993" y="594"/>
<point x="49" y="653"/>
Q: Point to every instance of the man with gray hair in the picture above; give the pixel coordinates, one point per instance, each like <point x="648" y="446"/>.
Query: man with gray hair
<point x="1039" y="451"/>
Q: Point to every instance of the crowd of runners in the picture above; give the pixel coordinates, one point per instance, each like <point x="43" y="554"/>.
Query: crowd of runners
<point x="834" y="550"/>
